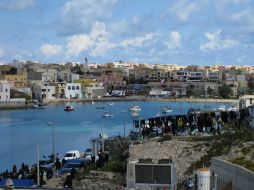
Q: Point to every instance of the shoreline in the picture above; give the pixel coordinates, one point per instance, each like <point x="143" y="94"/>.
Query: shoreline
<point x="4" y="107"/>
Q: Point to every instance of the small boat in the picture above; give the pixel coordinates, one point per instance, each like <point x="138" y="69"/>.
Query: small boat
<point x="166" y="109"/>
<point x="92" y="102"/>
<point x="107" y="115"/>
<point x="69" y="108"/>
<point x="135" y="108"/>
<point x="158" y="115"/>
<point x="101" y="107"/>
<point x="192" y="111"/>
<point x="111" y="104"/>
<point x="221" y="108"/>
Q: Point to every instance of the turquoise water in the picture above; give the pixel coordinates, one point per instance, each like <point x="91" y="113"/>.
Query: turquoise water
<point x="21" y="129"/>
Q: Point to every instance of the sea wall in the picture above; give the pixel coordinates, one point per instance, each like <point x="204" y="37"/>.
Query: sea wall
<point x="239" y="178"/>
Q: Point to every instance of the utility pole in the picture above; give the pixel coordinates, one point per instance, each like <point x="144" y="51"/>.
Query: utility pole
<point x="38" y="166"/>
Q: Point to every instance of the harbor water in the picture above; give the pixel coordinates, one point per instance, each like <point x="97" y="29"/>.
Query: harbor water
<point x="21" y="129"/>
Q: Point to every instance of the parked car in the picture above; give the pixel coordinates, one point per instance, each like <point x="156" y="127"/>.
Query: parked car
<point x="73" y="154"/>
<point x="75" y="163"/>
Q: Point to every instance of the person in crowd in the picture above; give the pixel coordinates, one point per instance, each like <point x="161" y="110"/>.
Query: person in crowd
<point x="57" y="167"/>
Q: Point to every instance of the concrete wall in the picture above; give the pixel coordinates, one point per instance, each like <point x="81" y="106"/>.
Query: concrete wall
<point x="242" y="179"/>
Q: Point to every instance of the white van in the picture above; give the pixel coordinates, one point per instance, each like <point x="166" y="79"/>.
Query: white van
<point x="73" y="154"/>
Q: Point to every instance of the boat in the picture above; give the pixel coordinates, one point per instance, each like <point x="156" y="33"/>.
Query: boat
<point x="107" y="115"/>
<point x="192" y="111"/>
<point x="166" y="109"/>
<point x="92" y="102"/>
<point x="135" y="108"/>
<point x="101" y="107"/>
<point x="111" y="104"/>
<point x="69" y="108"/>
<point x="221" y="108"/>
<point x="38" y="106"/>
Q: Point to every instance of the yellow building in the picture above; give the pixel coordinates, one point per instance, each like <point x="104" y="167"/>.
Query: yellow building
<point x="16" y="80"/>
<point x="84" y="82"/>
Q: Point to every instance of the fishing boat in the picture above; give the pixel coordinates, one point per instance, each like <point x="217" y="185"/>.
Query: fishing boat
<point x="135" y="108"/>
<point x="166" y="109"/>
<point x="69" y="108"/>
<point x="107" y="115"/>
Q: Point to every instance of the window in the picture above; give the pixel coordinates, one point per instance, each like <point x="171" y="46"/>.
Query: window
<point x="250" y="100"/>
<point x="69" y="88"/>
<point x="6" y="90"/>
<point x="73" y="87"/>
<point x="77" y="87"/>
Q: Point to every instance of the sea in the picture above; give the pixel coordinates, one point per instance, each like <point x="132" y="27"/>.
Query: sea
<point x="22" y="130"/>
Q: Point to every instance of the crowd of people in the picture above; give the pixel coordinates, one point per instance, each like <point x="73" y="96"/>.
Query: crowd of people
<point x="183" y="125"/>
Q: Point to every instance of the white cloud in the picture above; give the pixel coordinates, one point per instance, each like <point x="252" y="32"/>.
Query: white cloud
<point x="182" y="9"/>
<point x="174" y="40"/>
<point x="96" y="39"/>
<point x="215" y="42"/>
<point x="78" y="16"/>
<point x="50" y="49"/>
<point x="16" y="5"/>
<point x="138" y="41"/>
<point x="2" y="52"/>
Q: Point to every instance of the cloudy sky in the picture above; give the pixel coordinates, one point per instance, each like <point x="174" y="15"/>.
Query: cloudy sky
<point x="202" y="32"/>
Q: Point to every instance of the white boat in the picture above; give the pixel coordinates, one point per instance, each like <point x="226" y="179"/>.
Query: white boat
<point x="166" y="109"/>
<point x="107" y="115"/>
<point x="92" y="102"/>
<point x="135" y="108"/>
<point x="221" y="108"/>
<point x="111" y="104"/>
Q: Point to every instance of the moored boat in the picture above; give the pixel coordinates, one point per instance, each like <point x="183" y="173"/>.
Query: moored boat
<point x="107" y="115"/>
<point x="166" y="109"/>
<point x="69" y="108"/>
<point x="221" y="108"/>
<point x="135" y="108"/>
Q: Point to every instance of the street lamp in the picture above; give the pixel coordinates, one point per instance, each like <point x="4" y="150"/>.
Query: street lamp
<point x="53" y="139"/>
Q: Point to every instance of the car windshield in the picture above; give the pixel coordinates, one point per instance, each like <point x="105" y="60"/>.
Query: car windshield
<point x="68" y="155"/>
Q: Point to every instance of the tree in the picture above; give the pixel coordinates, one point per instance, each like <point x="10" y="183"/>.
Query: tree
<point x="210" y="91"/>
<point x="225" y="91"/>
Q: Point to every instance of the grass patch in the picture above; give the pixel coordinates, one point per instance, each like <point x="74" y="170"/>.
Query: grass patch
<point x="248" y="164"/>
<point x="165" y="138"/>
<point x="246" y="150"/>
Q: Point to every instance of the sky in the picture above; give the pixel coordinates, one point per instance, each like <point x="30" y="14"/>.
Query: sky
<point x="184" y="32"/>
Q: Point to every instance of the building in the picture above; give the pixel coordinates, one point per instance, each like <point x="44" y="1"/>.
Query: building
<point x="60" y="89"/>
<point x="188" y="76"/>
<point x="246" y="101"/>
<point x="43" y="91"/>
<point x="73" y="91"/>
<point x="94" y="90"/>
<point x="4" y="91"/>
<point x="16" y="80"/>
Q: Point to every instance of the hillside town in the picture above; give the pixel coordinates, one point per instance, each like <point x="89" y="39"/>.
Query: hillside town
<point x="74" y="80"/>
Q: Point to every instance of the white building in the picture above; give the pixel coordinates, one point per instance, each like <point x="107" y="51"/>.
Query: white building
<point x="94" y="90"/>
<point x="4" y="91"/>
<point x="246" y="101"/>
<point x="73" y="90"/>
<point x="43" y="91"/>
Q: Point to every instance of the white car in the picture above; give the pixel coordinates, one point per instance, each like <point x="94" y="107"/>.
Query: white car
<point x="73" y="154"/>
